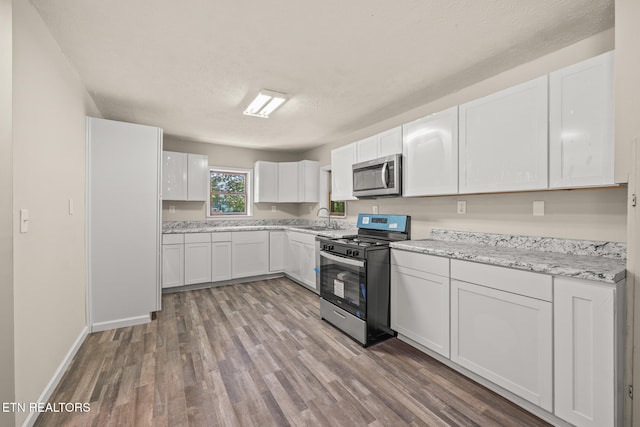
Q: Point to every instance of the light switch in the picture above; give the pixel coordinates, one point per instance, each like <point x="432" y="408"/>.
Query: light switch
<point x="24" y="220"/>
<point x="172" y="209"/>
<point x="462" y="206"/>
<point x="374" y="209"/>
<point x="273" y="209"/>
<point x="538" y="208"/>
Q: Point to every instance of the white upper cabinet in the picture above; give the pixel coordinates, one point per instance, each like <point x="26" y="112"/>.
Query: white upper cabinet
<point x="383" y="144"/>
<point x="288" y="182"/>
<point x="197" y="177"/>
<point x="581" y="124"/>
<point x="342" y="160"/>
<point x="184" y="176"/>
<point x="367" y="149"/>
<point x="308" y="181"/>
<point x="430" y="155"/>
<point x="265" y="175"/>
<point x="503" y="140"/>
<point x="174" y="175"/>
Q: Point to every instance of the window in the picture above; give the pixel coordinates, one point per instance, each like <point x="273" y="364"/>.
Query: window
<point x="230" y="192"/>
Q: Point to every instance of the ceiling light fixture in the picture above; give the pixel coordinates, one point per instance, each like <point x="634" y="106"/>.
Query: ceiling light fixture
<point x="265" y="103"/>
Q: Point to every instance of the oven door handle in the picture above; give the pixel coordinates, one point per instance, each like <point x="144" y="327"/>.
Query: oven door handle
<point x="348" y="261"/>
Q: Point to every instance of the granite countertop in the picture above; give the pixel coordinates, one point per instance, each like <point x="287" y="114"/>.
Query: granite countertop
<point x="582" y="259"/>
<point x="181" y="227"/>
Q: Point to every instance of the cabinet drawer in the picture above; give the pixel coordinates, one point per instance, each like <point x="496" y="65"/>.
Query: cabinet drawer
<point x="308" y="239"/>
<point x="223" y="236"/>
<point x="421" y="262"/>
<point x="343" y="320"/>
<point x="197" y="238"/>
<point x="172" y="239"/>
<point x="519" y="282"/>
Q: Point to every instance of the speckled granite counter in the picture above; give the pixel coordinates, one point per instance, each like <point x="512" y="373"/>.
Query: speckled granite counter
<point x="176" y="227"/>
<point x="583" y="259"/>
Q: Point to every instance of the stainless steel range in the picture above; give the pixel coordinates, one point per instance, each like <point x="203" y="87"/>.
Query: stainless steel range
<point x="355" y="275"/>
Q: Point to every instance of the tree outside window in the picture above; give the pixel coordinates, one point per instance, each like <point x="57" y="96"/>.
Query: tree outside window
<point x="230" y="190"/>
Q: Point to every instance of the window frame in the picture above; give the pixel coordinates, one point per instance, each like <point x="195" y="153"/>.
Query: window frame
<point x="248" y="191"/>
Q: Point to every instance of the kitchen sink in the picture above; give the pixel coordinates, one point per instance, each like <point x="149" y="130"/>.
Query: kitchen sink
<point x="314" y="227"/>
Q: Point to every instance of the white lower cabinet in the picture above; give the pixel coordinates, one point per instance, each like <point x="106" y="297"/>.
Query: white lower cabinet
<point x="249" y="253"/>
<point x="420" y="299"/>
<point x="277" y="244"/>
<point x="301" y="258"/>
<point x="197" y="258"/>
<point x="172" y="260"/>
<point x="503" y="336"/>
<point x="220" y="256"/>
<point x="585" y="350"/>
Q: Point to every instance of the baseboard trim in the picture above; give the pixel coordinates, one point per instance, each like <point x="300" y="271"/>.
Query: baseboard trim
<point x="121" y="323"/>
<point x="57" y="376"/>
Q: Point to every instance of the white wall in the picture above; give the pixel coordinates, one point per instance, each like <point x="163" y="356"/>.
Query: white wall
<point x="7" y="387"/>
<point x="234" y="157"/>
<point x="585" y="214"/>
<point x="49" y="108"/>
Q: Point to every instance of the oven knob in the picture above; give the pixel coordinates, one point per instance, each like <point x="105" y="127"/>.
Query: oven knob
<point x="349" y="252"/>
<point x="325" y="247"/>
<point x="331" y="247"/>
<point x="356" y="253"/>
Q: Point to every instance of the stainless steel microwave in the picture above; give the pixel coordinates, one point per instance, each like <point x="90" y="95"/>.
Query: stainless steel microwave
<point x="378" y="178"/>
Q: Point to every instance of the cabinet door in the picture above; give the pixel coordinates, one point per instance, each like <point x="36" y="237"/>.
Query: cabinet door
<point x="220" y="261"/>
<point x="174" y="175"/>
<point x="265" y="178"/>
<point x="342" y="160"/>
<point x="293" y="263"/>
<point x="277" y="240"/>
<point x="367" y="149"/>
<point x="584" y="352"/>
<point x="430" y="155"/>
<point x="288" y="182"/>
<point x="420" y="307"/>
<point x="581" y="124"/>
<point x="249" y="253"/>
<point x="172" y="265"/>
<point x="505" y="338"/>
<point x="390" y="142"/>
<point x="503" y="140"/>
<point x="308" y="265"/>
<point x="197" y="263"/>
<point x="308" y="181"/>
<point x="198" y="174"/>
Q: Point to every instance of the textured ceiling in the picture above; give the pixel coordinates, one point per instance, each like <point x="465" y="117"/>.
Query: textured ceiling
<point x="192" y="67"/>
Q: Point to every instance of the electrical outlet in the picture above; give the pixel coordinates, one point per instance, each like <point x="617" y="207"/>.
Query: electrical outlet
<point x="538" y="208"/>
<point x="273" y="209"/>
<point x="374" y="209"/>
<point x="172" y="209"/>
<point x="462" y="207"/>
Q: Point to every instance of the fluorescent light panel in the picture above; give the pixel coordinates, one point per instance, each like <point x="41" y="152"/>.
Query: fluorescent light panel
<point x="265" y="103"/>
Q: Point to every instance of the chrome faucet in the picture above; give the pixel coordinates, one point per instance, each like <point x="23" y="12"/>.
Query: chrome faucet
<point x="328" y="216"/>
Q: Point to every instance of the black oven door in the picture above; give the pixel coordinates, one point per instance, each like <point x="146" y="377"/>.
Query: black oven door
<point x="343" y="283"/>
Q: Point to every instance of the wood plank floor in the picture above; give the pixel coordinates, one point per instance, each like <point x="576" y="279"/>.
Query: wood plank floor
<point x="258" y="354"/>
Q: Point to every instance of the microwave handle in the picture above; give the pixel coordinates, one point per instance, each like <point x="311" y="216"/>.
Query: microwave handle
<point x="385" y="175"/>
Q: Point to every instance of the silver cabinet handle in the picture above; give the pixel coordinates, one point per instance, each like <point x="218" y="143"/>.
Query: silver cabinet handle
<point x="342" y="316"/>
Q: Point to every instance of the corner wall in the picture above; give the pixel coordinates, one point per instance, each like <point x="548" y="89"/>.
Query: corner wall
<point x="579" y="214"/>
<point x="7" y="384"/>
<point x="49" y="108"/>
